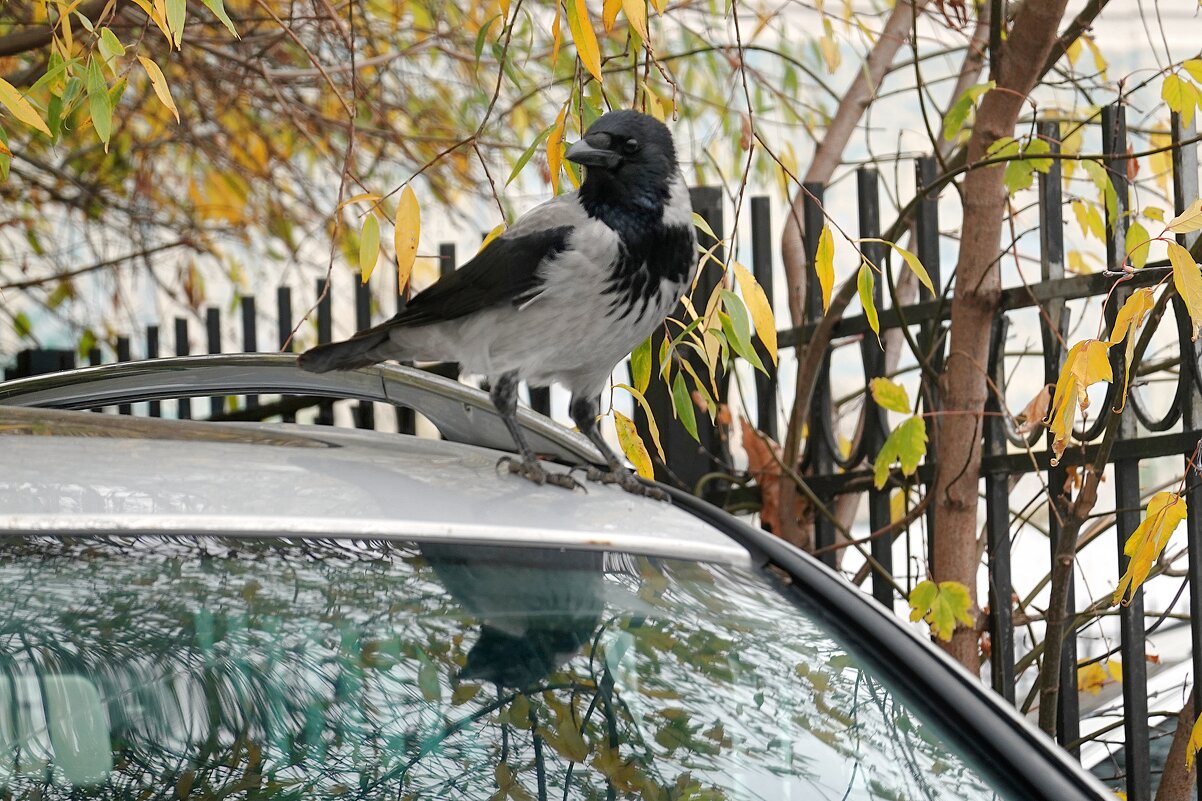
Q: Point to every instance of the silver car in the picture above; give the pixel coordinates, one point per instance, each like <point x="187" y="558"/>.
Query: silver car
<point x="270" y="611"/>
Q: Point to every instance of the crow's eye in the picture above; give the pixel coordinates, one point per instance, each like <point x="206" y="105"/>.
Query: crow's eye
<point x="630" y="146"/>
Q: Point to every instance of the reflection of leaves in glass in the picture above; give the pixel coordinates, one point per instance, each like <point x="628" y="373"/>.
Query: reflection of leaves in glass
<point x="316" y="669"/>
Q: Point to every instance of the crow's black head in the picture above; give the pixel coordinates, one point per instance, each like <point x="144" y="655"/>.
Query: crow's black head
<point x="630" y="160"/>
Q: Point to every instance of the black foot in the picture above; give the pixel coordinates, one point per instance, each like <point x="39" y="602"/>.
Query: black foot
<point x="533" y="471"/>
<point x="627" y="481"/>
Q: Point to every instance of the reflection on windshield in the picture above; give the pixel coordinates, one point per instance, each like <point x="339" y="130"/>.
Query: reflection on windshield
<point x="210" y="668"/>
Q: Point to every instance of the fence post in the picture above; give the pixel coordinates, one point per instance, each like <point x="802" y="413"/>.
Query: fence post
<point x="1054" y="331"/>
<point x="325" y="333"/>
<point x="406" y="420"/>
<point x="1126" y="490"/>
<point x="818" y="456"/>
<point x="38" y="361"/>
<point x="184" y="405"/>
<point x="926" y="245"/>
<point x="997" y="526"/>
<point x="283" y="316"/>
<point x="123" y="355"/>
<point x="154" y="408"/>
<point x="213" y="337"/>
<point x="250" y="337"/>
<point x="761" y="266"/>
<point x="875" y="424"/>
<point x="365" y="412"/>
<point x="1185" y="190"/>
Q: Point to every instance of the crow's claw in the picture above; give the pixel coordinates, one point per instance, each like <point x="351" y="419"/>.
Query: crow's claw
<point x="626" y="480"/>
<point x="533" y="471"/>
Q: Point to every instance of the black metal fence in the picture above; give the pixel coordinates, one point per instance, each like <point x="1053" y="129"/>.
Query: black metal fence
<point x="831" y="470"/>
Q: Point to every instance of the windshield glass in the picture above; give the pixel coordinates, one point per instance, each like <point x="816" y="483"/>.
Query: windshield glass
<point x="207" y="668"/>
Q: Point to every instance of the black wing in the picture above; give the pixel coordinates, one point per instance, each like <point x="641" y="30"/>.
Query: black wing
<point x="504" y="272"/>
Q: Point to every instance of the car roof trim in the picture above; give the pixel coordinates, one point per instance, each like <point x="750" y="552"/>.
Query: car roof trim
<point x="459" y="412"/>
<point x="250" y="526"/>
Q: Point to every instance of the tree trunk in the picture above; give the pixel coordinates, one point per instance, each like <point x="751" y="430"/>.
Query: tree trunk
<point x="1177" y="781"/>
<point x="974" y="305"/>
<point x="829" y="152"/>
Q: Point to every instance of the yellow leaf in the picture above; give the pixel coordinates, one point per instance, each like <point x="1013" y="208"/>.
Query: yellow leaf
<point x="655" y="106"/>
<point x="504" y="9"/>
<point x="1129" y="319"/>
<point x="584" y="38"/>
<point x="632" y="445"/>
<point x="1195" y="743"/>
<point x="557" y="37"/>
<point x="830" y="48"/>
<point x="660" y="6"/>
<point x="159" y="83"/>
<point x="1098" y="59"/>
<point x="1166" y="510"/>
<point x="609" y="14"/>
<point x="555" y="148"/>
<point x="1188" y="281"/>
<point x="369" y="246"/>
<point x="824" y="265"/>
<point x="493" y="234"/>
<point x="1085" y="365"/>
<point x="1188" y="220"/>
<point x="636" y="13"/>
<point x="942" y="605"/>
<point x="372" y="196"/>
<point x="20" y="107"/>
<point x="760" y="307"/>
<point x="912" y="261"/>
<point x="1095" y="675"/>
<point x="1172" y="91"/>
<point x="405" y="238"/>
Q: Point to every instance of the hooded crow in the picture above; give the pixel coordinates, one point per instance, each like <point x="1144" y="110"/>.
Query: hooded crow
<point x="563" y="295"/>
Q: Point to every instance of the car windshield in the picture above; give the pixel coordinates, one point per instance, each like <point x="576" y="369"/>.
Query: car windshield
<point x="161" y="667"/>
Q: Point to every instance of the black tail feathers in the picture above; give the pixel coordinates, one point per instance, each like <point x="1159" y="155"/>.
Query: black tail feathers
<point x="346" y="355"/>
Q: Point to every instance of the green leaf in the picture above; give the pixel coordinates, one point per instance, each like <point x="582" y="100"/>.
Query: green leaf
<point x="110" y="45"/>
<point x="890" y="395"/>
<point x="21" y="325"/>
<point x="738" y="331"/>
<point x="218" y="9"/>
<point x="369" y="246"/>
<point x="942" y="605"/>
<point x="1138" y="244"/>
<point x="865" y="283"/>
<point x="682" y="403"/>
<point x="703" y="226"/>
<point x="87" y="341"/>
<point x="99" y="103"/>
<point x="957" y="115"/>
<point x="907" y="444"/>
<point x="176" y="15"/>
<point x="1038" y="147"/>
<point x="640" y="365"/>
<point x="530" y="151"/>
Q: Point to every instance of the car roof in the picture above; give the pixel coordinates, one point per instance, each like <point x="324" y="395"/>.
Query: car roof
<point x="82" y="472"/>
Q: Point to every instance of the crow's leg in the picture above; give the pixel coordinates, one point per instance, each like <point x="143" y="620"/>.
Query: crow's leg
<point x="504" y="395"/>
<point x="584" y="414"/>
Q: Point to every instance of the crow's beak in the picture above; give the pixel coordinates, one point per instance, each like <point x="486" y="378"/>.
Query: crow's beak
<point x="583" y="153"/>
